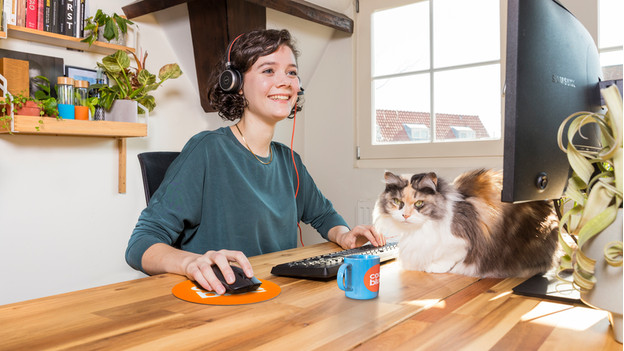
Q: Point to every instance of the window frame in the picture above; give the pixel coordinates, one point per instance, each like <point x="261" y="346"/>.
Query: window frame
<point x="486" y="153"/>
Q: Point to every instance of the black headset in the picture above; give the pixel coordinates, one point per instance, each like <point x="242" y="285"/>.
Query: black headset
<point x="231" y="80"/>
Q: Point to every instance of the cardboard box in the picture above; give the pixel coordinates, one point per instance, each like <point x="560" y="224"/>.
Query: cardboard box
<point x="16" y="74"/>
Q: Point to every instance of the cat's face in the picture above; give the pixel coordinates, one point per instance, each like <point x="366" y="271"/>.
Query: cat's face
<point x="412" y="201"/>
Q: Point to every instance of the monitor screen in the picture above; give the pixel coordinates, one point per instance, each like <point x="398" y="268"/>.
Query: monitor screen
<point x="552" y="71"/>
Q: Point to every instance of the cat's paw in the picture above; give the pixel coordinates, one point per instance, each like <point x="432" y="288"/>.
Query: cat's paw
<point x="440" y="267"/>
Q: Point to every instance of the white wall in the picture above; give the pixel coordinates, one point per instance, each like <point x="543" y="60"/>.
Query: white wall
<point x="63" y="224"/>
<point x="64" y="227"/>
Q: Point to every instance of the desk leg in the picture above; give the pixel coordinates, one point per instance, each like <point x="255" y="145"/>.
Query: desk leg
<point x="121" y="146"/>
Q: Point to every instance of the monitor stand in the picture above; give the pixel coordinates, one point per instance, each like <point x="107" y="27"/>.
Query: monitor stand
<point x="547" y="286"/>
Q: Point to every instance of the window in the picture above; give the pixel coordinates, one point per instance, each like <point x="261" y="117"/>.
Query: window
<point x="610" y="38"/>
<point x="429" y="79"/>
<point x="416" y="132"/>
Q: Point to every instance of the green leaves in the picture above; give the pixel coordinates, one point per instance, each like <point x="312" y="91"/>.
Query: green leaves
<point x="132" y="83"/>
<point x="169" y="71"/>
<point x="116" y="62"/>
<point x="114" y="26"/>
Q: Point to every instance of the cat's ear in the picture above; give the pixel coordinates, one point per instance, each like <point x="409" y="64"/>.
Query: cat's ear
<point x="429" y="180"/>
<point x="392" y="179"/>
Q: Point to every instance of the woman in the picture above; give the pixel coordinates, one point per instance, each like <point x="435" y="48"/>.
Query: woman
<point x="233" y="192"/>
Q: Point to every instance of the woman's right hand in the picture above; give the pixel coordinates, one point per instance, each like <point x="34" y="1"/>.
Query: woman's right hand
<point x="200" y="270"/>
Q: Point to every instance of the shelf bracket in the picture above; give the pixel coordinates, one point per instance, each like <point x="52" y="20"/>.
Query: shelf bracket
<point x="121" y="147"/>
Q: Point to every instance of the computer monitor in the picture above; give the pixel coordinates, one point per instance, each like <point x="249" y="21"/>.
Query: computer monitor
<point x="552" y="71"/>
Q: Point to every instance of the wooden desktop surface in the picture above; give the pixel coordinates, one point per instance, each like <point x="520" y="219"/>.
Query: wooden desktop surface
<point x="414" y="310"/>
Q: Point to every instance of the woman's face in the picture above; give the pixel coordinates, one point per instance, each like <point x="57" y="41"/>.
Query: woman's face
<point x="271" y="85"/>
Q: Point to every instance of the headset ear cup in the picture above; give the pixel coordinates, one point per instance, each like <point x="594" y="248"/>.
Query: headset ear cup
<point x="230" y="81"/>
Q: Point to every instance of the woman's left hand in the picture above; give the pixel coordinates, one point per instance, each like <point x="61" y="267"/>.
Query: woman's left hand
<point x="356" y="237"/>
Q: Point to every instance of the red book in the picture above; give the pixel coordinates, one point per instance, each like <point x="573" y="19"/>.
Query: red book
<point x="40" y="7"/>
<point x="31" y="14"/>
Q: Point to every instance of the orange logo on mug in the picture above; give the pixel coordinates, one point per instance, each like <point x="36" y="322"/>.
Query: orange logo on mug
<point x="371" y="278"/>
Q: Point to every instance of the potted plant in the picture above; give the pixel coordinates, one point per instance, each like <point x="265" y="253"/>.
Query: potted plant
<point x="44" y="97"/>
<point x="132" y="84"/>
<point x="26" y="106"/>
<point x="593" y="243"/>
<point x="112" y="28"/>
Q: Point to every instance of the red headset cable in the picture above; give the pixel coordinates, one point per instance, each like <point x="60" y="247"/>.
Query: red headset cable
<point x="292" y="153"/>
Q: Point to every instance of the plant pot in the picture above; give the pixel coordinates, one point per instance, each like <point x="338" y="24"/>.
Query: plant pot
<point x="123" y="38"/>
<point x="30" y="108"/>
<point x="125" y="111"/>
<point x="607" y="293"/>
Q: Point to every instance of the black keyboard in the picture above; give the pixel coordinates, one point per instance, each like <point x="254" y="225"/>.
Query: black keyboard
<point x="326" y="266"/>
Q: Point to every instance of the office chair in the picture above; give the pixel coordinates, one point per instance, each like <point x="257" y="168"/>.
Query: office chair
<point x="153" y="167"/>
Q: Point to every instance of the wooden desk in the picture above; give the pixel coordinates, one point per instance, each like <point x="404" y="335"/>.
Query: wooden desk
<point x="414" y="310"/>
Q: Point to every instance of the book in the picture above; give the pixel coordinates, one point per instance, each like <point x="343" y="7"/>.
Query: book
<point x="80" y="18"/>
<point x="40" y="14"/>
<point x="10" y="6"/>
<point x="31" y="14"/>
<point x="61" y="16"/>
<point x="70" y="18"/>
<point x="54" y="16"/>
<point x="20" y="20"/>
<point x="47" y="16"/>
<point x="7" y="8"/>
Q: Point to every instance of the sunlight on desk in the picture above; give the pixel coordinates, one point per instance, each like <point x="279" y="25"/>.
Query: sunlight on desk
<point x="566" y="316"/>
<point x="427" y="303"/>
<point x="500" y="296"/>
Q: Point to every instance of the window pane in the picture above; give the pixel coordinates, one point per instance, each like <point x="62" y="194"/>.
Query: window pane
<point x="467" y="103"/>
<point x="610" y="23"/>
<point x="402" y="110"/>
<point x="401" y="39"/>
<point x="465" y="32"/>
<point x="611" y="63"/>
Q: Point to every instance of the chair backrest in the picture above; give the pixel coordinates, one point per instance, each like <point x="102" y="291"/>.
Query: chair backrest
<point x="154" y="165"/>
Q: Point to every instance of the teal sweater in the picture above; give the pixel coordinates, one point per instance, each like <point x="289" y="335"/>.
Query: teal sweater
<point x="216" y="195"/>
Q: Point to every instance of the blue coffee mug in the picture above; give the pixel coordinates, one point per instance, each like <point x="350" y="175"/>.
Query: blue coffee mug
<point x="358" y="276"/>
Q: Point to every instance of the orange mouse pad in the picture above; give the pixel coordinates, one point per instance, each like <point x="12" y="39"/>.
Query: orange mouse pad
<point x="192" y="292"/>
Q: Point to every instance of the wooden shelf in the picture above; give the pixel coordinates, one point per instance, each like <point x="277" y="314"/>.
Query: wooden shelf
<point x="27" y="125"/>
<point x="68" y="127"/>
<point x="63" y="40"/>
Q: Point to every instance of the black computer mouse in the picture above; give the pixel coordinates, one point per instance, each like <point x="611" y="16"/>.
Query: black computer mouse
<point x="241" y="285"/>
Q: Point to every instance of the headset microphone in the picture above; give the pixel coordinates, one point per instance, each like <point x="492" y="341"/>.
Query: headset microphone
<point x="301" y="90"/>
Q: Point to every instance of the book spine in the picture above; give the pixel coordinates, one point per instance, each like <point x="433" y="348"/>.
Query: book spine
<point x="7" y="10"/>
<point x="31" y="14"/>
<point x="81" y="19"/>
<point x="70" y="16"/>
<point x="21" y="13"/>
<point x="40" y="14"/>
<point x="54" y="16"/>
<point x="61" y="16"/>
<point x="13" y="11"/>
<point x="47" y="16"/>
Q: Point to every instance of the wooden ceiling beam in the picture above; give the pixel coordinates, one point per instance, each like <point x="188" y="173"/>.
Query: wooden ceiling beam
<point x="298" y="8"/>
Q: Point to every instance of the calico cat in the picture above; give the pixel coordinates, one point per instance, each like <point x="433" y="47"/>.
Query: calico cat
<point x="464" y="228"/>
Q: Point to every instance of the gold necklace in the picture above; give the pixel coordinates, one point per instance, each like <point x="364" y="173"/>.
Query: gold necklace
<point x="248" y="148"/>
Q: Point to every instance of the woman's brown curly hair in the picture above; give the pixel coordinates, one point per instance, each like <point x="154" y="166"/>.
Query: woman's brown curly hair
<point x="244" y="53"/>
